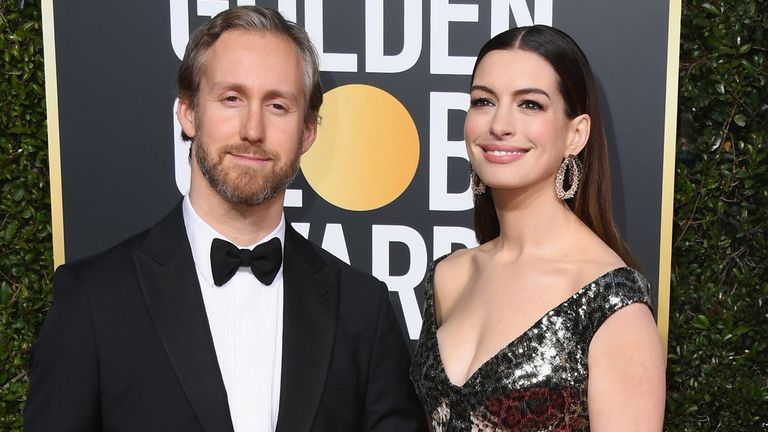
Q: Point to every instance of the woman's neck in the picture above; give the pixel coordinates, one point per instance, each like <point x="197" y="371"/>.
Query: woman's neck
<point x="532" y="222"/>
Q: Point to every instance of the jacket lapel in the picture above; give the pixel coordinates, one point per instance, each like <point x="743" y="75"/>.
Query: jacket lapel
<point x="168" y="278"/>
<point x="309" y="324"/>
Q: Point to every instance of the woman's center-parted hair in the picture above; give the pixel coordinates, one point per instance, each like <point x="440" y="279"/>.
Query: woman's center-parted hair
<point x="592" y="203"/>
<point x="574" y="75"/>
<point x="256" y="19"/>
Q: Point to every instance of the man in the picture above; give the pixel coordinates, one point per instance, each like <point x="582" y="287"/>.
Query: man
<point x="176" y="329"/>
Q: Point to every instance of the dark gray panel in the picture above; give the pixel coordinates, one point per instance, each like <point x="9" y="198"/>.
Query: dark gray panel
<point x="116" y="70"/>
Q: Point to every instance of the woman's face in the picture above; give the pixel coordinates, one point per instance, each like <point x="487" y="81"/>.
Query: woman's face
<point x="516" y="130"/>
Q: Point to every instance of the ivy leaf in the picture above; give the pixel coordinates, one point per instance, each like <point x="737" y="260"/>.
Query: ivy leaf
<point x="711" y="8"/>
<point x="740" y="330"/>
<point x="701" y="322"/>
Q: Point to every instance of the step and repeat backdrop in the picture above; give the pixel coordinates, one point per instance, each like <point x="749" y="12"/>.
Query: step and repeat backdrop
<point x="396" y="76"/>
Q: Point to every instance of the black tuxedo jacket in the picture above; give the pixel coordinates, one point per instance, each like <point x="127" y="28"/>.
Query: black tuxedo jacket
<point x="126" y="345"/>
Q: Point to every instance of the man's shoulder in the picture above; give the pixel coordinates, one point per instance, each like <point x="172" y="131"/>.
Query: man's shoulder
<point x="344" y="268"/>
<point x="353" y="281"/>
<point x="113" y="259"/>
<point x="118" y="258"/>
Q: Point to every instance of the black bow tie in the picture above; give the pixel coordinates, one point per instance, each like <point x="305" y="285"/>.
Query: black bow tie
<point x="264" y="260"/>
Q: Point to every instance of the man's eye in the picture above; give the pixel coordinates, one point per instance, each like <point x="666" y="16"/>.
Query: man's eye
<point x="231" y="99"/>
<point x="279" y="107"/>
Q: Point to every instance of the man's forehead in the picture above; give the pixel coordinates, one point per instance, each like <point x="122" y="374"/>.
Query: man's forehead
<point x="263" y="40"/>
<point x="238" y="51"/>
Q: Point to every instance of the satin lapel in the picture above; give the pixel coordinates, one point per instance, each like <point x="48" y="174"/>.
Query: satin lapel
<point x="309" y="324"/>
<point x="168" y="278"/>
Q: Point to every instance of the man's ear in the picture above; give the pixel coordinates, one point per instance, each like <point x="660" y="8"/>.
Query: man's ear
<point x="578" y="134"/>
<point x="308" y="136"/>
<point x="186" y="116"/>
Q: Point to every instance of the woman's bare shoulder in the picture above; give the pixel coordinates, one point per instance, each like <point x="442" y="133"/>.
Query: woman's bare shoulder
<point x="450" y="279"/>
<point x="591" y="258"/>
<point x="456" y="259"/>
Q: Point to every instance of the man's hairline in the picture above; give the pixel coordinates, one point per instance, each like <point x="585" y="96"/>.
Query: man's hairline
<point x="305" y="70"/>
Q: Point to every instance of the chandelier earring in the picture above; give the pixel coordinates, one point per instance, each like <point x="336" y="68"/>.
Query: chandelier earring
<point x="572" y="164"/>
<point x="478" y="187"/>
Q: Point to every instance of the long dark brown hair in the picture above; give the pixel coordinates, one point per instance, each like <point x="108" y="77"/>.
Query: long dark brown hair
<point x="592" y="203"/>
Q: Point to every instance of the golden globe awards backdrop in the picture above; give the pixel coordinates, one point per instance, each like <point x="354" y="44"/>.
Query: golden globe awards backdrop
<point x="386" y="186"/>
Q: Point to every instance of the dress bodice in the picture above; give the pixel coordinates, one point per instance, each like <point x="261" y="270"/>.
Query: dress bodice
<point x="538" y="382"/>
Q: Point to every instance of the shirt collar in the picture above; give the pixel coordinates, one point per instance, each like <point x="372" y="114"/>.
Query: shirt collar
<point x="201" y="235"/>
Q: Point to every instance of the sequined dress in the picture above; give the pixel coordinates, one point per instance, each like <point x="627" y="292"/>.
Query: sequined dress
<point x="538" y="382"/>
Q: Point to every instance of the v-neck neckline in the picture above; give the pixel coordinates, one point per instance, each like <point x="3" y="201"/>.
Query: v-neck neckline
<point x="494" y="358"/>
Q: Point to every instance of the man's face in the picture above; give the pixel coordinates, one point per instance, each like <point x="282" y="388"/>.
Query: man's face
<point x="247" y="128"/>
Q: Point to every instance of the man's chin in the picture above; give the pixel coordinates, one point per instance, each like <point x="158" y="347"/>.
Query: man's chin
<point x="250" y="187"/>
<point x="246" y="192"/>
<point x="245" y="200"/>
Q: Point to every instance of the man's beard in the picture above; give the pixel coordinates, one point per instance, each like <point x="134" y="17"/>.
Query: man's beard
<point x="242" y="185"/>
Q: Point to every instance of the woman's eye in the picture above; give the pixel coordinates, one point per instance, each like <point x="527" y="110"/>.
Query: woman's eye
<point x="480" y="102"/>
<point x="531" y="105"/>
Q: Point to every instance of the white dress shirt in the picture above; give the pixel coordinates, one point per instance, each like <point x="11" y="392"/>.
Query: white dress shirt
<point x="246" y="320"/>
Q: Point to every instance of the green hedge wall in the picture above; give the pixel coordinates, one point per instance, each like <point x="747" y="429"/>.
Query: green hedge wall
<point x="25" y="212"/>
<point x="717" y="370"/>
<point x="718" y="361"/>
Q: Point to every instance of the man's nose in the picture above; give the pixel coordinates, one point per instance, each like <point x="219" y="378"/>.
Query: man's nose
<point x="252" y="129"/>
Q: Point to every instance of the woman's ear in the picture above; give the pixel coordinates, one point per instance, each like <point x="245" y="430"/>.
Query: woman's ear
<point x="578" y="134"/>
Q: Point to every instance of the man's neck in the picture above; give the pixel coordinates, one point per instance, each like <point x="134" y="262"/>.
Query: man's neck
<point x="243" y="224"/>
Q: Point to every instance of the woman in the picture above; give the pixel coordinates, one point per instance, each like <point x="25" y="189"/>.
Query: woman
<point x="542" y="327"/>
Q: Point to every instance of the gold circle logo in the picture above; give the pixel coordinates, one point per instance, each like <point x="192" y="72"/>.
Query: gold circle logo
<point x="366" y="151"/>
